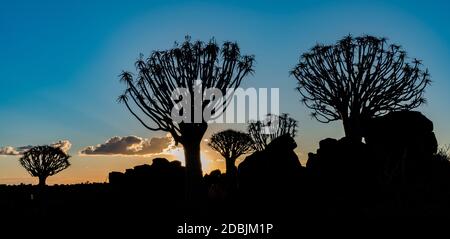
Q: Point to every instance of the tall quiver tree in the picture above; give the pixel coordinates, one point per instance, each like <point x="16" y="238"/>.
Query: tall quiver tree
<point x="148" y="96"/>
<point x="359" y="78"/>
<point x="231" y="145"/>
<point x="44" y="161"/>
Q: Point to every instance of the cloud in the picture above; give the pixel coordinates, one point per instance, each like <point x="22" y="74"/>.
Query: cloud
<point x="130" y="145"/>
<point x="65" y="146"/>
<point x="8" y="150"/>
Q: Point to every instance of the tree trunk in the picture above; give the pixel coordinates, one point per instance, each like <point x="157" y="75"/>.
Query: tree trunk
<point x="231" y="177"/>
<point x="231" y="169"/>
<point x="191" y="137"/>
<point x="42" y="180"/>
<point x="353" y="128"/>
<point x="194" y="175"/>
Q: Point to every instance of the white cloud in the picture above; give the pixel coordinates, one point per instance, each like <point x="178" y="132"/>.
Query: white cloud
<point x="129" y="145"/>
<point x="65" y="146"/>
<point x="8" y="150"/>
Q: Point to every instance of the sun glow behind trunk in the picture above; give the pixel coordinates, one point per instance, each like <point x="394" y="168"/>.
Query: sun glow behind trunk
<point x="178" y="153"/>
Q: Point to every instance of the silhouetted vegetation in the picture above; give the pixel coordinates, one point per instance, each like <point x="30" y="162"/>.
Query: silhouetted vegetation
<point x="274" y="126"/>
<point x="44" y="161"/>
<point x="359" y="78"/>
<point x="164" y="72"/>
<point x="231" y="145"/>
<point x="397" y="170"/>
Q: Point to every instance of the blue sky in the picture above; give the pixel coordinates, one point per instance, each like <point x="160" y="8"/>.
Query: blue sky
<point x="59" y="61"/>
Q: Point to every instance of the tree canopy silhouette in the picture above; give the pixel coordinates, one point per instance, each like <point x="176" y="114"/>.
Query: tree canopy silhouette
<point x="44" y="161"/>
<point x="231" y="145"/>
<point x="263" y="132"/>
<point x="163" y="72"/>
<point x="359" y="78"/>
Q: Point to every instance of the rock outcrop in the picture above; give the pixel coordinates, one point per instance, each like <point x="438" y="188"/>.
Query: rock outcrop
<point x="404" y="143"/>
<point x="273" y="172"/>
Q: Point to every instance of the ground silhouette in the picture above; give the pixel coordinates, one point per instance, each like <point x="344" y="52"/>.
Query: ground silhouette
<point x="396" y="172"/>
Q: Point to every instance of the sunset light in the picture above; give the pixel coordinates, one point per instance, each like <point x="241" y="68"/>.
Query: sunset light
<point x="223" y="119"/>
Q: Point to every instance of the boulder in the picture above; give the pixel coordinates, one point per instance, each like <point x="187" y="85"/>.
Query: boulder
<point x="342" y="162"/>
<point x="215" y="182"/>
<point x="160" y="180"/>
<point x="116" y="178"/>
<point x="404" y="144"/>
<point x="271" y="172"/>
<point x="397" y="149"/>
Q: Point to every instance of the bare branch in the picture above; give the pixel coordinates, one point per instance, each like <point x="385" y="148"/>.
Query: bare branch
<point x="262" y="133"/>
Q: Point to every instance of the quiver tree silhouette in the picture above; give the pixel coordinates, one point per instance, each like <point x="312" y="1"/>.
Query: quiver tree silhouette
<point x="357" y="79"/>
<point x="164" y="72"/>
<point x="263" y="132"/>
<point x="231" y="145"/>
<point x="44" y="161"/>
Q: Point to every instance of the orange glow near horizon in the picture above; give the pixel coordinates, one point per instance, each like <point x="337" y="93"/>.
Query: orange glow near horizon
<point x="91" y="169"/>
<point x="178" y="153"/>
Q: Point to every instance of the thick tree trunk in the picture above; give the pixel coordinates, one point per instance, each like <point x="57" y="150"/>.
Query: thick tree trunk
<point x="231" y="176"/>
<point x="231" y="169"/>
<point x="42" y="180"/>
<point x="353" y="128"/>
<point x="194" y="175"/>
<point x="191" y="137"/>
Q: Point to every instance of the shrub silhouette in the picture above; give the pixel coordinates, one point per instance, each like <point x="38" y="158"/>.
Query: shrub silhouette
<point x="164" y="72"/>
<point x="357" y="79"/>
<point x="231" y="145"/>
<point x="263" y="132"/>
<point x="44" y="161"/>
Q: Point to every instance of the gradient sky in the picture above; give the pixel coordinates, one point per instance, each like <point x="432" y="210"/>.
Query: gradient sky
<point x="59" y="64"/>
